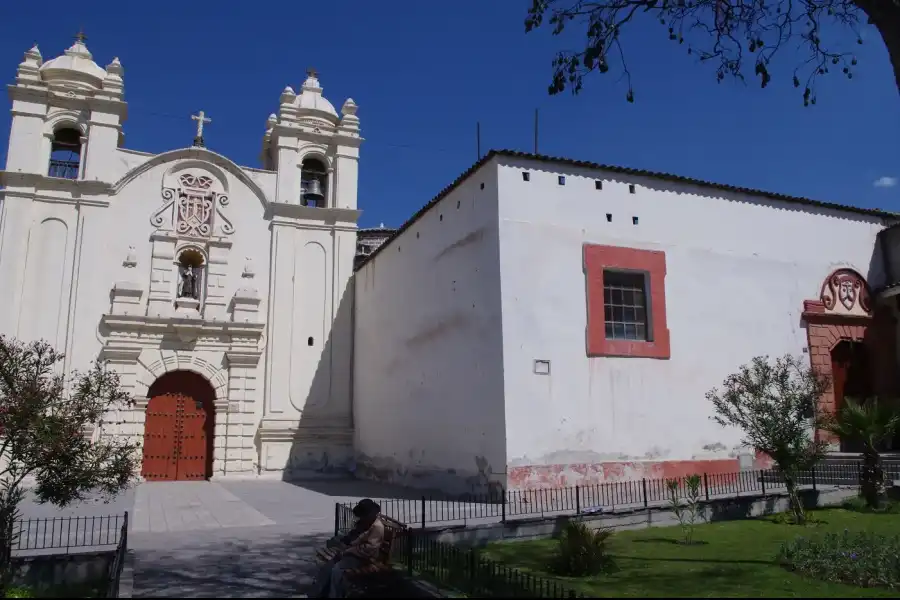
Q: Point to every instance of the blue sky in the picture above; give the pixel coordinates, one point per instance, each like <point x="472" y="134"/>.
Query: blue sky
<point x="423" y="73"/>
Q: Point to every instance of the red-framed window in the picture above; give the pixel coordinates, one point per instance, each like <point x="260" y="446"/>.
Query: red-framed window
<point x="626" y="298"/>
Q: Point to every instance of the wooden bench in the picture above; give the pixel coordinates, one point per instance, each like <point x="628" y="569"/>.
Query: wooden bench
<point x="381" y="564"/>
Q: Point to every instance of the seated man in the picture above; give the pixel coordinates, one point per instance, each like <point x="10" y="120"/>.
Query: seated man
<point x="359" y="526"/>
<point x="360" y="549"/>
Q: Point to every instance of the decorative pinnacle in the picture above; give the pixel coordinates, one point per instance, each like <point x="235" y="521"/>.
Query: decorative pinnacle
<point x="80" y="37"/>
<point x="311" y="72"/>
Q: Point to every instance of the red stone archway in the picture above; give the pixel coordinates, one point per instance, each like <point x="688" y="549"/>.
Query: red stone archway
<point x="844" y="312"/>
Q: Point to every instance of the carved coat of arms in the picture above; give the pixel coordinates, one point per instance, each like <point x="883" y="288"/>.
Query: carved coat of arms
<point x="196" y="205"/>
<point x="847" y="288"/>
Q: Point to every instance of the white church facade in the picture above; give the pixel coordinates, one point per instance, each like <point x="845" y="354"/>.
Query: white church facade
<point x="218" y="292"/>
<point x="542" y="322"/>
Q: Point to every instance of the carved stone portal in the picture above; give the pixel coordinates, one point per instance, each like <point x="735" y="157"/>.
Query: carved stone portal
<point x="843" y="313"/>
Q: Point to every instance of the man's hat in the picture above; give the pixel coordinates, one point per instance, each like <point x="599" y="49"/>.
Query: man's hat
<point x="366" y="506"/>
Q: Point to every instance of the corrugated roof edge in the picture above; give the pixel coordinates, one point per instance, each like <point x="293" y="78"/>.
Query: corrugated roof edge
<point x="570" y="162"/>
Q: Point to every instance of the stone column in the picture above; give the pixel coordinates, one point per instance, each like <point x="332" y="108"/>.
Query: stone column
<point x="160" y="300"/>
<point x="216" y="277"/>
<point x="243" y="396"/>
<point x="126" y="422"/>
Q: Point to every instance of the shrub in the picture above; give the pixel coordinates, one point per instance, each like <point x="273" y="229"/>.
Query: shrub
<point x="581" y="551"/>
<point x="859" y="504"/>
<point x="19" y="592"/>
<point x="863" y="559"/>
<point x="686" y="509"/>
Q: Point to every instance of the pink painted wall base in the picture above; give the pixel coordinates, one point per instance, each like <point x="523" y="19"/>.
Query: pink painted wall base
<point x="533" y="477"/>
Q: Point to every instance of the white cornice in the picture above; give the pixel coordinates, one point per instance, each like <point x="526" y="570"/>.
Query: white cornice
<point x="80" y="100"/>
<point x="278" y="430"/>
<point x="180" y="325"/>
<point x="293" y="131"/>
<point x="164" y="235"/>
<point x="30" y="92"/>
<point x="243" y="358"/>
<point x="35" y="186"/>
<point x="120" y="354"/>
<point x="286" y="214"/>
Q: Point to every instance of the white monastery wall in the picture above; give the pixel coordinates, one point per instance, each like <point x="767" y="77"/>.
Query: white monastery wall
<point x="428" y="371"/>
<point x="737" y="273"/>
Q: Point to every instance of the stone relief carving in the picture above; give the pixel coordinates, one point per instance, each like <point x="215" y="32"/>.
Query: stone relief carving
<point x="249" y="271"/>
<point x="130" y="259"/>
<point x="845" y="291"/>
<point x="193" y="207"/>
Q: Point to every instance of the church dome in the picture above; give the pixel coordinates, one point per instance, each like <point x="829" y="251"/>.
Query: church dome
<point x="75" y="67"/>
<point x="311" y="103"/>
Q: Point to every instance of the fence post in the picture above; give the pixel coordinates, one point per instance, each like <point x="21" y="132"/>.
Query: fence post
<point x="337" y="517"/>
<point x="814" y="477"/>
<point x="706" y="485"/>
<point x="423" y="512"/>
<point x="408" y="535"/>
<point x="503" y="505"/>
<point x="472" y="579"/>
<point x="644" y="487"/>
<point x="762" y="480"/>
<point x="577" y="500"/>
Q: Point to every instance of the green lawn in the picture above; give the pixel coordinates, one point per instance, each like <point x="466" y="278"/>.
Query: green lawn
<point x="735" y="559"/>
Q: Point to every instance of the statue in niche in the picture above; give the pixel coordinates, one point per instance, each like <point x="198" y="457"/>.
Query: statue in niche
<point x="188" y="285"/>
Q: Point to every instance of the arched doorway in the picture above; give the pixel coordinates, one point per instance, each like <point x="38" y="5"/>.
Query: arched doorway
<point x="178" y="430"/>
<point x="851" y="378"/>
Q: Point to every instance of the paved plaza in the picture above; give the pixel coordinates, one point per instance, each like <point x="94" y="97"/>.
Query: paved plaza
<point x="236" y="539"/>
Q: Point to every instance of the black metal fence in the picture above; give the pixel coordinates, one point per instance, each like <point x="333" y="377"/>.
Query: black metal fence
<point x="463" y="569"/>
<point x="68" y="533"/>
<point x="118" y="563"/>
<point x="596" y="498"/>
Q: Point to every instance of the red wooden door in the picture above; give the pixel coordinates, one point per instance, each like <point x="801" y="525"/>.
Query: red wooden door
<point x="160" y="438"/>
<point x="193" y="451"/>
<point x="177" y="432"/>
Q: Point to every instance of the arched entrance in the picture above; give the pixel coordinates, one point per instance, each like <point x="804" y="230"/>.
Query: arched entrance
<point x="851" y="378"/>
<point x="852" y="343"/>
<point x="178" y="430"/>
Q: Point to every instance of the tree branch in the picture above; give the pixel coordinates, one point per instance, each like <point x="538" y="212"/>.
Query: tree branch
<point x="730" y="34"/>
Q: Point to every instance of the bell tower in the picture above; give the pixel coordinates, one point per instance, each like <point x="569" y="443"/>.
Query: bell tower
<point x="67" y="115"/>
<point x="315" y="153"/>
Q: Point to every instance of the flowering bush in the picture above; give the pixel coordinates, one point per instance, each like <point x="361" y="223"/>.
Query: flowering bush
<point x="863" y="559"/>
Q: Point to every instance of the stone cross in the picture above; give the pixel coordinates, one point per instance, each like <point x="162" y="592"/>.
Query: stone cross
<point x="201" y="119"/>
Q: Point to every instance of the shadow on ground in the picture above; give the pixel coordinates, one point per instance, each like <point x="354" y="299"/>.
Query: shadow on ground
<point x="277" y="565"/>
<point x="222" y="566"/>
<point x="361" y="488"/>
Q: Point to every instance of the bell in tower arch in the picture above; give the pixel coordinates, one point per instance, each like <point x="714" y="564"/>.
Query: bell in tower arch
<point x="313" y="182"/>
<point x="313" y="194"/>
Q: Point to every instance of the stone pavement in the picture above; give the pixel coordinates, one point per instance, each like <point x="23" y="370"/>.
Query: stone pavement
<point x="237" y="562"/>
<point x="233" y="539"/>
<point x="241" y="539"/>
